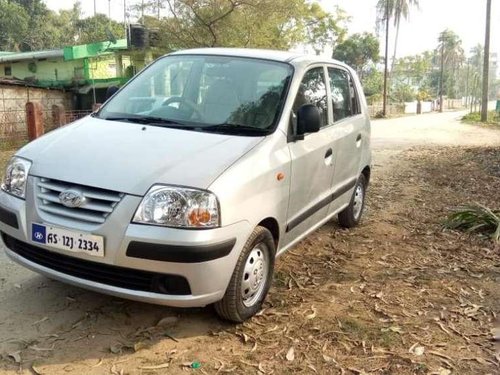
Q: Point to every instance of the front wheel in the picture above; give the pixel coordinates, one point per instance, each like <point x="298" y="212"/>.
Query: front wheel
<point x="251" y="278"/>
<point x="351" y="215"/>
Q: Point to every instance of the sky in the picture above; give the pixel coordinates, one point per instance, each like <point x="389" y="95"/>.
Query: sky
<point x="418" y="34"/>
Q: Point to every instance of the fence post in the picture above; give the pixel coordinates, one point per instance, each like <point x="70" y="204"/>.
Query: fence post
<point x="34" y="120"/>
<point x="58" y="115"/>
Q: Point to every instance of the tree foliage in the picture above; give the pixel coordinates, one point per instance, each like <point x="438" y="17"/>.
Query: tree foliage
<point x="358" y="51"/>
<point x="13" y="25"/>
<point x="277" y="24"/>
<point x="323" y="28"/>
<point x="27" y="25"/>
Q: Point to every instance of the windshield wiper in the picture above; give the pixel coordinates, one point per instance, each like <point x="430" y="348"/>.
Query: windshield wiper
<point x="150" y="120"/>
<point x="236" y="129"/>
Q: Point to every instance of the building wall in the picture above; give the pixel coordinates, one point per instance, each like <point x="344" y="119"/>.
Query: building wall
<point x="14" y="98"/>
<point x="56" y="71"/>
<point x="106" y="66"/>
<point x="47" y="70"/>
<point x="13" y="101"/>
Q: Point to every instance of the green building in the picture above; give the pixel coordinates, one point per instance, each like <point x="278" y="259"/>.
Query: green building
<point x="85" y="70"/>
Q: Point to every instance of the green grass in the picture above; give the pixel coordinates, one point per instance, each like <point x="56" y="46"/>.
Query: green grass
<point x="475" y="118"/>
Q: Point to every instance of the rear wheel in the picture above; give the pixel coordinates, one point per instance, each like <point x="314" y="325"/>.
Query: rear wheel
<point x="351" y="215"/>
<point x="251" y="278"/>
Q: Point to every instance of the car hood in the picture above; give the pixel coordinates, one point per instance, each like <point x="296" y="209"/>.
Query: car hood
<point x="130" y="158"/>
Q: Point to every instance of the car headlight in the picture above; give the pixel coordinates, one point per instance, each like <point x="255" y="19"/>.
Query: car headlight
<point x="178" y="207"/>
<point x="16" y="174"/>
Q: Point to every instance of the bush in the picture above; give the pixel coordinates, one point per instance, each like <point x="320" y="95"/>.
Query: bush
<point x="476" y="218"/>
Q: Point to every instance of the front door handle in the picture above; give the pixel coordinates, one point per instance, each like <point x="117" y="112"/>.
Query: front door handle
<point x="329" y="157"/>
<point x="358" y="141"/>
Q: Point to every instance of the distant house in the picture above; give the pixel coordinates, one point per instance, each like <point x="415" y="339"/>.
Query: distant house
<point x="85" y="70"/>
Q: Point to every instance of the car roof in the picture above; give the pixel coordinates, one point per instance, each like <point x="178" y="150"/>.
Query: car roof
<point x="266" y="54"/>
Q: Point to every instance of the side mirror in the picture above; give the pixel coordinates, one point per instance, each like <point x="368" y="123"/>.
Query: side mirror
<point x="308" y="120"/>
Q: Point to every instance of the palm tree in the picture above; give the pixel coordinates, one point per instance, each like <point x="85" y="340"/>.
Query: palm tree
<point x="486" y="65"/>
<point x="452" y="57"/>
<point x="387" y="10"/>
<point x="401" y="10"/>
<point x="476" y="66"/>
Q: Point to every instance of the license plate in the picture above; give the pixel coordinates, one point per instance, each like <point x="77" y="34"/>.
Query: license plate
<point x="68" y="240"/>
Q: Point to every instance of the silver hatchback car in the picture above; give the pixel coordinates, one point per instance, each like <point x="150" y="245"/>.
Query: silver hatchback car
<point x="188" y="183"/>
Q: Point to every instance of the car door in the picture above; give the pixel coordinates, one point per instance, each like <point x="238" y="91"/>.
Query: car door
<point x="312" y="160"/>
<point x="348" y="125"/>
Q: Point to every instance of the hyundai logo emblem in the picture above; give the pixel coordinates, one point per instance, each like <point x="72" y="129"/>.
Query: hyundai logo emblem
<point x="72" y="198"/>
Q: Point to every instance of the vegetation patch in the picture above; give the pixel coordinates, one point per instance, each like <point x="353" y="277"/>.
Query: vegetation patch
<point x="476" y="218"/>
<point x="475" y="118"/>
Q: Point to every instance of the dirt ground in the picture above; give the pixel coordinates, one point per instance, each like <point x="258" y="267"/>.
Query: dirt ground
<point x="397" y="295"/>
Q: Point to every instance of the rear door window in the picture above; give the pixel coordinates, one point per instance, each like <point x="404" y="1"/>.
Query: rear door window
<point x="345" y="102"/>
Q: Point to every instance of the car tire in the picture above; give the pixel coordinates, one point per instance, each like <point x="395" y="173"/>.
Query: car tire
<point x="351" y="215"/>
<point x="251" y="279"/>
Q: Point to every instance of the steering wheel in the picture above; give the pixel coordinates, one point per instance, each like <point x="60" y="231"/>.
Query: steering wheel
<point x="182" y="100"/>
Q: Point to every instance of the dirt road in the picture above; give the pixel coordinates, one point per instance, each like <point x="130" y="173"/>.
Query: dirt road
<point x="436" y="129"/>
<point x="394" y="296"/>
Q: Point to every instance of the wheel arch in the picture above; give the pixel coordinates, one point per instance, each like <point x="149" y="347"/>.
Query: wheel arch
<point x="271" y="224"/>
<point x="367" y="173"/>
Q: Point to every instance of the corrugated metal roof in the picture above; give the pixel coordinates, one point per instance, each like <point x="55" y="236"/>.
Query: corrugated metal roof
<point x="16" y="82"/>
<point x="36" y="55"/>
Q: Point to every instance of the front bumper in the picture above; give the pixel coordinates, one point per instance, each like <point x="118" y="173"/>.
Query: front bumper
<point x="205" y="258"/>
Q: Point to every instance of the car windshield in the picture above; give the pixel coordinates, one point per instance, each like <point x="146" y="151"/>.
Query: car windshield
<point x="205" y="93"/>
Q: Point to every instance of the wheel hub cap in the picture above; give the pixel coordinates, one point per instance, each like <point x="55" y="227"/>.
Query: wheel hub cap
<point x="254" y="276"/>
<point x="358" y="201"/>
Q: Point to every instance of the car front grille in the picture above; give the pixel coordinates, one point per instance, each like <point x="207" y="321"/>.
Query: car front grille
<point x="121" y="277"/>
<point x="98" y="205"/>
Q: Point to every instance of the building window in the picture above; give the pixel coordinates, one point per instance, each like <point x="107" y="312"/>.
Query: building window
<point x="7" y="70"/>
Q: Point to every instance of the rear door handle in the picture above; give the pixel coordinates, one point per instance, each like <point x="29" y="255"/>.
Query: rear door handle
<point x="329" y="153"/>
<point x="358" y="138"/>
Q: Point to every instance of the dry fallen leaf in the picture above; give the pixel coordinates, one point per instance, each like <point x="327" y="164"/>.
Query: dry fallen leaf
<point x="41" y="320"/>
<point x="313" y="314"/>
<point x="244" y="336"/>
<point x="35" y="369"/>
<point x="312" y="368"/>
<point x="16" y="356"/>
<point x="441" y="371"/>
<point x="98" y="363"/>
<point x="290" y="355"/>
<point x="392" y="329"/>
<point x="156" y="367"/>
<point x="327" y="358"/>
<point x="37" y="349"/>
<point x="254" y="348"/>
<point x="417" y="349"/>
